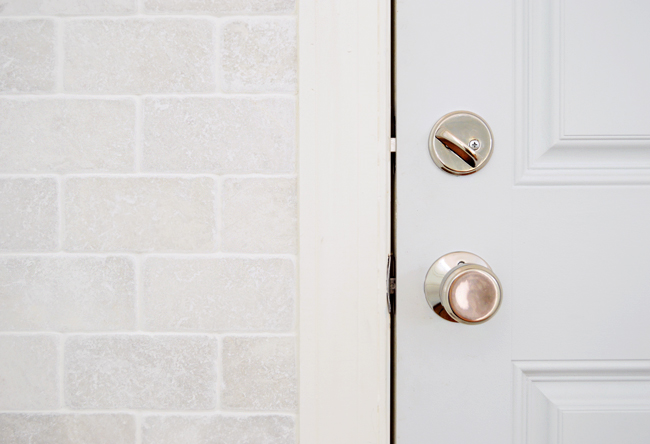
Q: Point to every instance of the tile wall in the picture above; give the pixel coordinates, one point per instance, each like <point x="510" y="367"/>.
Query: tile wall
<point x="148" y="222"/>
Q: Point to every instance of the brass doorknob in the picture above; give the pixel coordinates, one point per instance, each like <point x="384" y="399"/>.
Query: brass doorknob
<point x="461" y="287"/>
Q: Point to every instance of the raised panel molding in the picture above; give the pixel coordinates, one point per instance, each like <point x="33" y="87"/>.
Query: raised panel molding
<point x="546" y="392"/>
<point x="546" y="153"/>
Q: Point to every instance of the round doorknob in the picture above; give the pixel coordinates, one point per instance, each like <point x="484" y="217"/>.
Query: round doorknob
<point x="461" y="287"/>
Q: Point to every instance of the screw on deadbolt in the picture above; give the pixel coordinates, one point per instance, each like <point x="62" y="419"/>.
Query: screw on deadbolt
<point x="474" y="144"/>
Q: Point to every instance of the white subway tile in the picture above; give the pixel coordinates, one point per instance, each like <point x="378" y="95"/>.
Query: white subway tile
<point x="66" y="7"/>
<point x="67" y="293"/>
<point x="141" y="372"/>
<point x="220" y="6"/>
<point x="29" y="214"/>
<point x="228" y="294"/>
<point x="259" y="373"/>
<point x="139" y="214"/>
<point x="218" y="429"/>
<point x="27" y="56"/>
<point x="138" y="56"/>
<point x="259" y="55"/>
<point x="220" y="135"/>
<point x="38" y="428"/>
<point x="259" y="215"/>
<point x="28" y="373"/>
<point x="67" y="135"/>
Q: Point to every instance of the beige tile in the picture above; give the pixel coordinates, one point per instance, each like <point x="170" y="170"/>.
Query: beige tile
<point x="218" y="429"/>
<point x="220" y="6"/>
<point x="67" y="135"/>
<point x="259" y="215"/>
<point x="220" y="135"/>
<point x="140" y="372"/>
<point x="28" y="373"/>
<point x="66" y="7"/>
<point x="259" y="55"/>
<point x="36" y="428"/>
<point x="67" y="293"/>
<point x="139" y="214"/>
<point x="27" y="58"/>
<point x="259" y="373"/>
<point x="29" y="210"/>
<point x="138" y="56"/>
<point x="227" y="294"/>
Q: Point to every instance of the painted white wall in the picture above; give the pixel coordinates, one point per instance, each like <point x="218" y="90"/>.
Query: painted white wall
<point x="148" y="221"/>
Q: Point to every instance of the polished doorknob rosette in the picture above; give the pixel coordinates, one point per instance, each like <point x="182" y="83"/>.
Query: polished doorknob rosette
<point x="462" y="287"/>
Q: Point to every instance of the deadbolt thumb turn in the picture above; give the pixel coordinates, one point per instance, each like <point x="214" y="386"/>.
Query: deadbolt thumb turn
<point x="462" y="287"/>
<point x="460" y="143"/>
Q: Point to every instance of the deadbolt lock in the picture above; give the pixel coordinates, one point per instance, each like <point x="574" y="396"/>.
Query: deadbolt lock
<point x="461" y="143"/>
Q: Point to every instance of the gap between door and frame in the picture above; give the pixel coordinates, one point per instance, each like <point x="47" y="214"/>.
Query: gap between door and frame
<point x="392" y="284"/>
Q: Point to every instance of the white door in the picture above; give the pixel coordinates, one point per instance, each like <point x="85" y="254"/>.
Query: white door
<point x="560" y="212"/>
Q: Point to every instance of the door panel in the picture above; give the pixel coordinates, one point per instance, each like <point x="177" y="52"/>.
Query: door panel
<point x="582" y="112"/>
<point x="559" y="212"/>
<point x="582" y="402"/>
<point x="580" y="287"/>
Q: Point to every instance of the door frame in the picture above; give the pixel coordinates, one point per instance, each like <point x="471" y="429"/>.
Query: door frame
<point x="344" y="79"/>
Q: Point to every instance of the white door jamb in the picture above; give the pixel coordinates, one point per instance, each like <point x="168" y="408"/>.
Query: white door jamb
<point x="344" y="203"/>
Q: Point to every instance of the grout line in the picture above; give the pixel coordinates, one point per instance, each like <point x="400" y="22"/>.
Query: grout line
<point x="59" y="52"/>
<point x="139" y="136"/>
<point x="61" y="218"/>
<point x="158" y="333"/>
<point x="216" y="45"/>
<point x="138" y="292"/>
<point x="218" y="210"/>
<point x="296" y="304"/>
<point x="296" y="159"/>
<point x="105" y="254"/>
<point x="31" y="176"/>
<point x="219" y="369"/>
<point x="138" y="428"/>
<point x="143" y="412"/>
<point x="61" y="370"/>
<point x="139" y="15"/>
<point x="149" y="174"/>
<point x="98" y="96"/>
